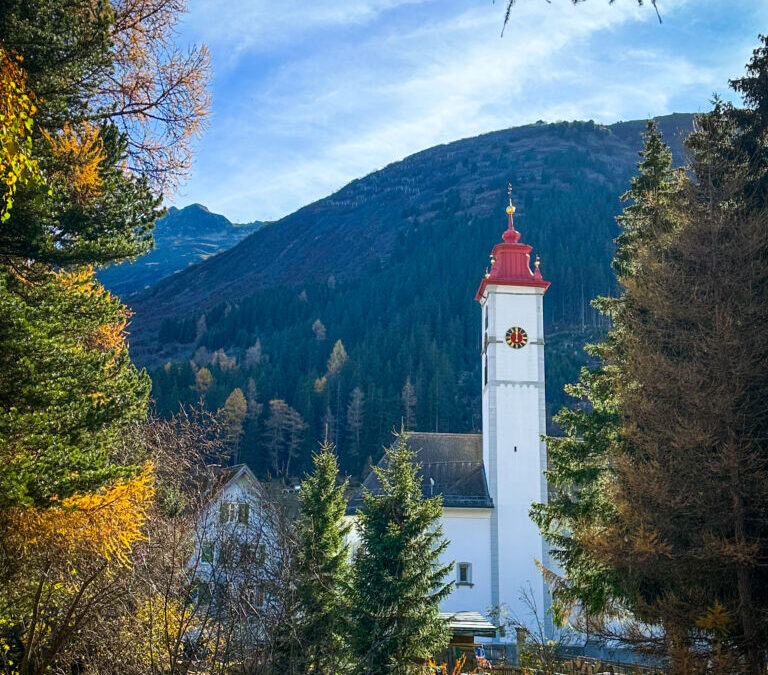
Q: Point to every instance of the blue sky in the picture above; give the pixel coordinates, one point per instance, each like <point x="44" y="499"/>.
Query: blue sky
<point x="310" y="95"/>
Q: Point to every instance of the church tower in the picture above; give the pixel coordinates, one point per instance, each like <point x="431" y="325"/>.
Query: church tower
<point x="514" y="418"/>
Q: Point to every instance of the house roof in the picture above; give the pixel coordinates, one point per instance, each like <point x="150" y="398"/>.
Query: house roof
<point x="451" y="466"/>
<point x="225" y="475"/>
<point x="469" y="623"/>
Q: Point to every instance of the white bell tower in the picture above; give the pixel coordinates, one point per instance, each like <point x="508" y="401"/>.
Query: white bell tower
<point x="514" y="418"/>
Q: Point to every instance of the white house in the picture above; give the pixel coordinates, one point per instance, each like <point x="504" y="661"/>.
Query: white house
<point x="232" y="537"/>
<point x="488" y="481"/>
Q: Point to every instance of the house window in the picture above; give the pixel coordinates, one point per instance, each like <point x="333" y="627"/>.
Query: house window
<point x="243" y="511"/>
<point x="228" y="512"/>
<point x="252" y="554"/>
<point x="206" y="552"/>
<point x="221" y="592"/>
<point x="204" y="592"/>
<point x="463" y="574"/>
<point x="255" y="597"/>
<point x="233" y="512"/>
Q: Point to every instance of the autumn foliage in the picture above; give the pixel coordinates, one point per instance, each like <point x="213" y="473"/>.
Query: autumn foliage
<point x="78" y="154"/>
<point x="662" y="482"/>
<point x="17" y="164"/>
<point x="107" y="523"/>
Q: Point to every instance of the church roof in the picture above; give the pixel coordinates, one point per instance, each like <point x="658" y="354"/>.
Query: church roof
<point x="451" y="466"/>
<point x="511" y="261"/>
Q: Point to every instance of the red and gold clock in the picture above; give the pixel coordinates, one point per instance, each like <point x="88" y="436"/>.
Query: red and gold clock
<point x="516" y="337"/>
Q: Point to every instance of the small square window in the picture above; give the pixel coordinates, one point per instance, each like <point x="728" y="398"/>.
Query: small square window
<point x="252" y="554"/>
<point x="464" y="574"/>
<point x="227" y="512"/>
<point x="204" y="592"/>
<point x="234" y="512"/>
<point x="206" y="552"/>
<point x="255" y="597"/>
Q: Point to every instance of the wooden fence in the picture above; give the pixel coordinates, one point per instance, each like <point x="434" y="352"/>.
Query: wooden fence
<point x="501" y="659"/>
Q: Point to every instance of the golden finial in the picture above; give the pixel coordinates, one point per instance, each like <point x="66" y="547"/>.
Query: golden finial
<point x="493" y="260"/>
<point x="538" y="262"/>
<point x="487" y="273"/>
<point x="511" y="207"/>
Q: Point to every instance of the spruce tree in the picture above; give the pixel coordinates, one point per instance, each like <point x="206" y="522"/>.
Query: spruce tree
<point x="322" y="566"/>
<point x="662" y="483"/>
<point x="580" y="465"/>
<point x="67" y="386"/>
<point x="397" y="575"/>
<point x="68" y="389"/>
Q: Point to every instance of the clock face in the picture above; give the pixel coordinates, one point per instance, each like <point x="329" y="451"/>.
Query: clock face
<point x="516" y="337"/>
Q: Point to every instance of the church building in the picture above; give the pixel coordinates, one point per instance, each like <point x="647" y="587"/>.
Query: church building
<point x="488" y="481"/>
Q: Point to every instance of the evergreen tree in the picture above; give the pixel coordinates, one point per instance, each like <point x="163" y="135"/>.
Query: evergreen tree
<point x="284" y="430"/>
<point x="67" y="387"/>
<point x="321" y="567"/>
<point x="663" y="483"/>
<point x="355" y="420"/>
<point x="580" y="465"/>
<point x="409" y="403"/>
<point x="232" y="416"/>
<point x="397" y="576"/>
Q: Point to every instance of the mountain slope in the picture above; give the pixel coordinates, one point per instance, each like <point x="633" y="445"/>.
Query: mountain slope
<point x="389" y="265"/>
<point x="182" y="237"/>
<point x="455" y="184"/>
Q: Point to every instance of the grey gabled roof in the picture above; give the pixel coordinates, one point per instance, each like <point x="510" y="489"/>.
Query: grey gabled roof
<point x="469" y="623"/>
<point x="224" y="475"/>
<point x="451" y="466"/>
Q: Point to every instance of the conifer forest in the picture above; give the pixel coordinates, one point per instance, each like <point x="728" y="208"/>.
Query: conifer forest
<point x="266" y="441"/>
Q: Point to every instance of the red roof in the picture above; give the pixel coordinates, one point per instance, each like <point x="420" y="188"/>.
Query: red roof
<point x="511" y="263"/>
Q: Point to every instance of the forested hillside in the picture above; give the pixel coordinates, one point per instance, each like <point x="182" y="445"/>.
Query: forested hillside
<point x="358" y="311"/>
<point x="182" y="237"/>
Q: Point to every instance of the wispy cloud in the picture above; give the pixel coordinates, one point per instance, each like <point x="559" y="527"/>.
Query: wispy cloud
<point x="259" y="26"/>
<point x="308" y="100"/>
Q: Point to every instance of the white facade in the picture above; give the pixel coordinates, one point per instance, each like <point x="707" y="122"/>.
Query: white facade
<point x="468" y="531"/>
<point x="514" y="419"/>
<point x="231" y="535"/>
<point x="508" y="546"/>
<point x="488" y="489"/>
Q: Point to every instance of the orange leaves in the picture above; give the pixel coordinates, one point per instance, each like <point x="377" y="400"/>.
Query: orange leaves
<point x="16" y="111"/>
<point x="158" y="93"/>
<point x="715" y="620"/>
<point x="81" y="151"/>
<point x="108" y="336"/>
<point x="81" y="281"/>
<point x="106" y="523"/>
